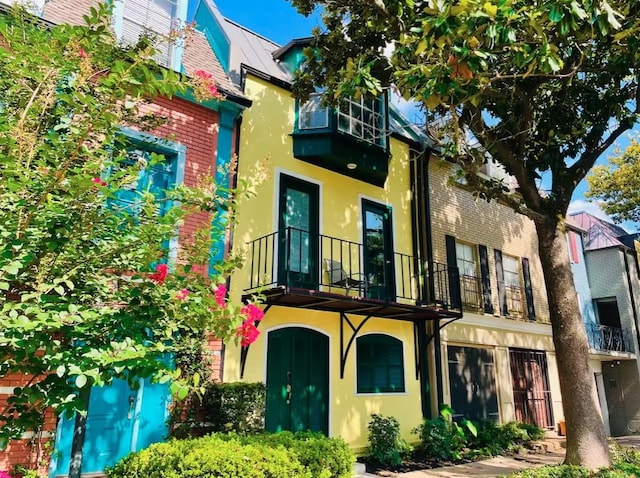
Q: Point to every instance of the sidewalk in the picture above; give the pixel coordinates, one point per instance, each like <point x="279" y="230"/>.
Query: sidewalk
<point x="502" y="465"/>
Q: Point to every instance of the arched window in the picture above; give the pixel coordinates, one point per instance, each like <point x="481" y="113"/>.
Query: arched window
<point x="380" y="365"/>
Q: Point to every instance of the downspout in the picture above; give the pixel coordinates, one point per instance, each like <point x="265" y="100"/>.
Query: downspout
<point x="631" y="297"/>
<point x="417" y="208"/>
<point x="426" y="253"/>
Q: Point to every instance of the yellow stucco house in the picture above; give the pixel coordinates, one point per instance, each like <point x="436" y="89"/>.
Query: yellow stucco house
<point x="366" y="257"/>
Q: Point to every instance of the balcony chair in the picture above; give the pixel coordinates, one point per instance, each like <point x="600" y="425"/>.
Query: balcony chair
<point x="339" y="278"/>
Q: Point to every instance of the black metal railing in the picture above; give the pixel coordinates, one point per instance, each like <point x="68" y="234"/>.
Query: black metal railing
<point x="604" y="337"/>
<point x="514" y="300"/>
<point x="470" y="292"/>
<point x="295" y="258"/>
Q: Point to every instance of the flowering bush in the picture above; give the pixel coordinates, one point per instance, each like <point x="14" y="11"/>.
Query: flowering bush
<point x="88" y="284"/>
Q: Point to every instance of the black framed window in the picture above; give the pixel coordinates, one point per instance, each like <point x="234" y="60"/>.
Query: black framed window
<point x="380" y="364"/>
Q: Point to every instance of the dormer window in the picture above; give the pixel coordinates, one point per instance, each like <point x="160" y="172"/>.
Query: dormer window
<point x="363" y="118"/>
<point x="350" y="139"/>
<point x="155" y="17"/>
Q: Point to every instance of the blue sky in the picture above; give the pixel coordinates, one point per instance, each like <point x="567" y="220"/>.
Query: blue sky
<point x="280" y="22"/>
<point x="274" y="19"/>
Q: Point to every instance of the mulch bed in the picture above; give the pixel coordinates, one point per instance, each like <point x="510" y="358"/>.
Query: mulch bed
<point x="417" y="461"/>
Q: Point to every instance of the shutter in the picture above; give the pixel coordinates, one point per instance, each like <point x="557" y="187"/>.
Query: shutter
<point x="486" y="281"/>
<point x="453" y="275"/>
<point x="528" y="290"/>
<point x="573" y="247"/>
<point x="502" y="292"/>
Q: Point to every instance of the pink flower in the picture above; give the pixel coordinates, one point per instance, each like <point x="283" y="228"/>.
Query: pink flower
<point x="160" y="274"/>
<point x="203" y="74"/>
<point x="213" y="90"/>
<point x="221" y="293"/>
<point x="4" y="474"/>
<point x="252" y="312"/>
<point x="247" y="332"/>
<point x="81" y="54"/>
<point x="99" y="182"/>
<point x="182" y="294"/>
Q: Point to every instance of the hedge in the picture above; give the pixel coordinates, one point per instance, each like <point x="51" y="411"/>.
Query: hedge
<point x="282" y="455"/>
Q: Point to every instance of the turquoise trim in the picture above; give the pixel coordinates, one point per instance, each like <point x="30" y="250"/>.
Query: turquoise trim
<point x="208" y="24"/>
<point x="117" y="16"/>
<point x="213" y="105"/>
<point x="178" y="47"/>
<point x="163" y="146"/>
<point x="228" y="116"/>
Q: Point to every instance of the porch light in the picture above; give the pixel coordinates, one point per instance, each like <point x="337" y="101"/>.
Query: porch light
<point x="352" y="166"/>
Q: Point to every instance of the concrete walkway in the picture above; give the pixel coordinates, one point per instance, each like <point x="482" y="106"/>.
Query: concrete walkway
<point x="552" y="453"/>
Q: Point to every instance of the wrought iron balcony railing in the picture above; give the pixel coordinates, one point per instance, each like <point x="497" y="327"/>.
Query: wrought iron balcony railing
<point x="604" y="337"/>
<point x="294" y="258"/>
<point x="471" y="292"/>
<point x="514" y="300"/>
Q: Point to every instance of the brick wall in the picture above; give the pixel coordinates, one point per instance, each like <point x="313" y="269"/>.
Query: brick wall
<point x="456" y="212"/>
<point x="195" y="127"/>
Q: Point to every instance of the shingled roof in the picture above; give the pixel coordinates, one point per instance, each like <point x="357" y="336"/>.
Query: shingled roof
<point x="197" y="55"/>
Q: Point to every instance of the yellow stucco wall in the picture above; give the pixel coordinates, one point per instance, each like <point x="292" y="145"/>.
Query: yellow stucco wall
<point x="266" y="129"/>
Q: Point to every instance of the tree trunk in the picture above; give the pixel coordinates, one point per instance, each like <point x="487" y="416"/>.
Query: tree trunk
<point x="586" y="438"/>
<point x="79" y="429"/>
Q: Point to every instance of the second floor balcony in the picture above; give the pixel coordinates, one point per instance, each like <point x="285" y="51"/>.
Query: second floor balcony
<point x="608" y="339"/>
<point x="293" y="267"/>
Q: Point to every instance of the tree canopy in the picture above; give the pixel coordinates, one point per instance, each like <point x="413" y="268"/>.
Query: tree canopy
<point x="616" y="185"/>
<point x="544" y="88"/>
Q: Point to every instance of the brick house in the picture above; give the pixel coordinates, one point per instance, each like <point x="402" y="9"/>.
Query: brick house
<point x="202" y="139"/>
<point x="498" y="360"/>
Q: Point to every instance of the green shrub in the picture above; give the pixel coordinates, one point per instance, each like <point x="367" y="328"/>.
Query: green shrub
<point x="210" y="456"/>
<point x="386" y="446"/>
<point x="235" y="406"/>
<point x="561" y="471"/>
<point x="492" y="439"/>
<point x="281" y="455"/>
<point x="324" y="457"/>
<point x="442" y="438"/>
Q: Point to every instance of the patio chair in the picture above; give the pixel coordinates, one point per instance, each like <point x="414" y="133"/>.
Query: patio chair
<point x="339" y="278"/>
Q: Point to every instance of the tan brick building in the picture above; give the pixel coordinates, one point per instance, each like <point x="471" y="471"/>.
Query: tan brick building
<point x="498" y="361"/>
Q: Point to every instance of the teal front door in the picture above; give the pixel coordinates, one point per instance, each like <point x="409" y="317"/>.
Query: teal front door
<point x="120" y="420"/>
<point x="297" y="380"/>
<point x="298" y="227"/>
<point x="378" y="251"/>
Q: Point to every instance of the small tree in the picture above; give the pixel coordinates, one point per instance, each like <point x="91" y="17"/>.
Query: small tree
<point x="617" y="185"/>
<point x="544" y="87"/>
<point x="89" y="290"/>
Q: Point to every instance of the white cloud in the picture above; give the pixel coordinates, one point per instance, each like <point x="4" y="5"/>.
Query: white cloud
<point x="591" y="207"/>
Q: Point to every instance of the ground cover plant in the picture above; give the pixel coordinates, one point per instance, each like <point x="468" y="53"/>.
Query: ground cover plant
<point x="442" y="441"/>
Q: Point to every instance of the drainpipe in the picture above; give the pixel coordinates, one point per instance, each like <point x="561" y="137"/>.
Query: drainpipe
<point x="426" y="253"/>
<point x="631" y="297"/>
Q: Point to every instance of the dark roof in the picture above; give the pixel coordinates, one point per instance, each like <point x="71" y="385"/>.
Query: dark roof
<point x="601" y="234"/>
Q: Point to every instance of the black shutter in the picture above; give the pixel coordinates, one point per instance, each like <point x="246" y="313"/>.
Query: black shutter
<point x="502" y="292"/>
<point x="528" y="290"/>
<point x="453" y="274"/>
<point x="486" y="282"/>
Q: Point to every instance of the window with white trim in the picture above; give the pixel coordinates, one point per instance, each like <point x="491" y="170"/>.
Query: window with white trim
<point x="511" y="268"/>
<point x="156" y="18"/>
<point x="312" y="114"/>
<point x="466" y="259"/>
<point x="364" y="119"/>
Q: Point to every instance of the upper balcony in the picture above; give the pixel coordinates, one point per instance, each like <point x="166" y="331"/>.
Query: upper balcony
<point x="295" y="268"/>
<point x="350" y="139"/>
<point x="605" y="338"/>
